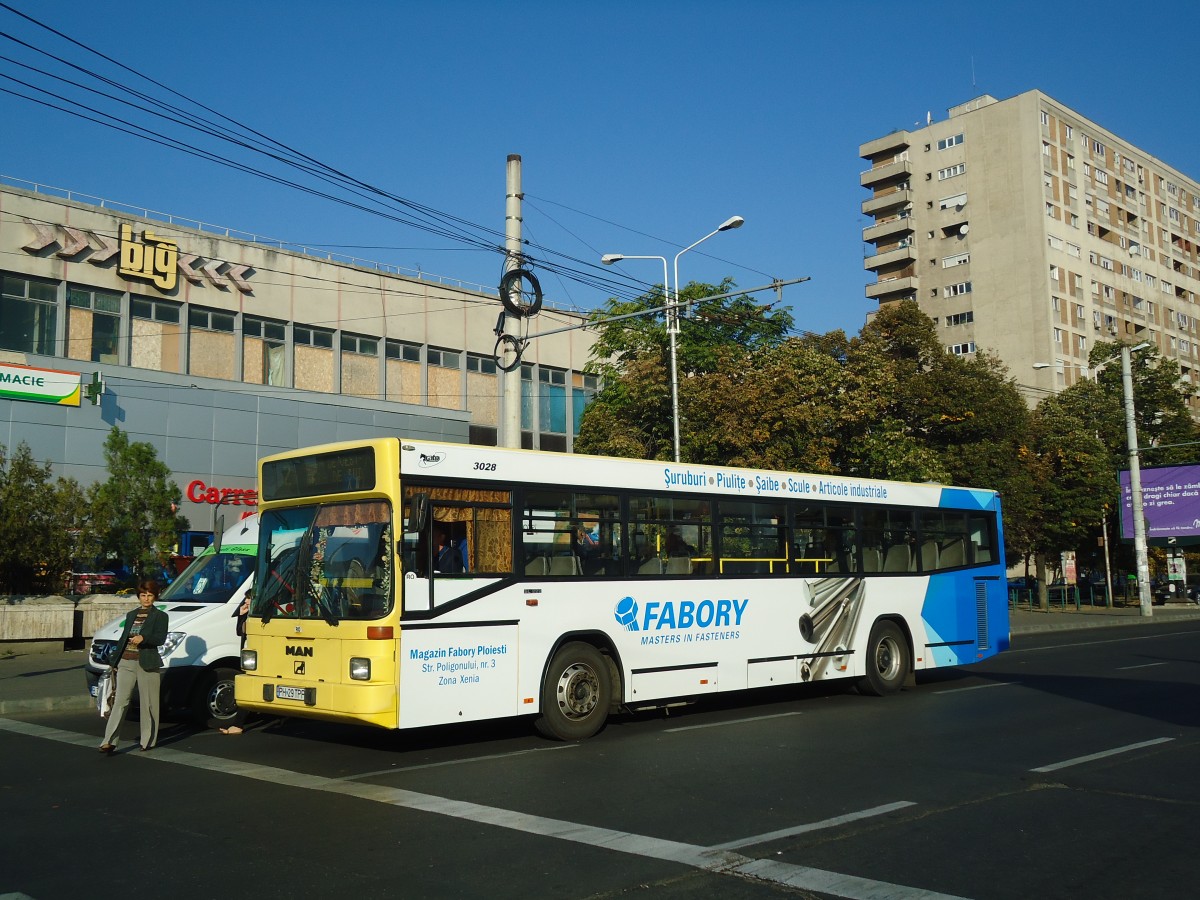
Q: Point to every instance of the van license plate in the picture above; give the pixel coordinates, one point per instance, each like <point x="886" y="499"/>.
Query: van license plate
<point x="283" y="692"/>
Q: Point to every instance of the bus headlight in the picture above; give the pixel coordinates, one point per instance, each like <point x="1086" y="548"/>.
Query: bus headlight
<point x="249" y="660"/>
<point x="360" y="668"/>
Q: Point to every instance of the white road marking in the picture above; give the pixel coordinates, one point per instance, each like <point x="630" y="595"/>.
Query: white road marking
<point x="732" y="722"/>
<point x="1091" y="757"/>
<point x="1142" y="666"/>
<point x="976" y="687"/>
<point x="449" y="762"/>
<point x="709" y="859"/>
<point x="814" y="826"/>
<point x="1124" y="640"/>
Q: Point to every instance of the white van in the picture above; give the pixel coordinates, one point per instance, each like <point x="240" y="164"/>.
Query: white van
<point x="202" y="650"/>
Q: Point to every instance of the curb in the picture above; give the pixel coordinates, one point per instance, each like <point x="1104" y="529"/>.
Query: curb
<point x="47" y="704"/>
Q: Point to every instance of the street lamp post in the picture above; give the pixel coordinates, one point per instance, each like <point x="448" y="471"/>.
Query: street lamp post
<point x="673" y="313"/>
<point x="1140" y="550"/>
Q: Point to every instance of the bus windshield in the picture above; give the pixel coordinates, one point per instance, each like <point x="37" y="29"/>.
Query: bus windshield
<point x="211" y="578"/>
<point x="328" y="562"/>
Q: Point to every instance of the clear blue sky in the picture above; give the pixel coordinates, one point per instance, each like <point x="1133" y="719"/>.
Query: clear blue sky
<point x="642" y="125"/>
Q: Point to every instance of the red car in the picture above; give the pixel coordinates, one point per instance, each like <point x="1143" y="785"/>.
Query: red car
<point x="92" y="583"/>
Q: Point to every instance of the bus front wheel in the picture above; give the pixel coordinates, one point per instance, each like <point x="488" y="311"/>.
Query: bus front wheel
<point x="887" y="660"/>
<point x="576" y="693"/>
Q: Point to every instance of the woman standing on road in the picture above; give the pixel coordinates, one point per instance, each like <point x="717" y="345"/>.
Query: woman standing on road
<point x="139" y="664"/>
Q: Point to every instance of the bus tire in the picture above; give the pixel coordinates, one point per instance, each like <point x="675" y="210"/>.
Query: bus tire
<point x="576" y="693"/>
<point x="212" y="699"/>
<point x="887" y="660"/>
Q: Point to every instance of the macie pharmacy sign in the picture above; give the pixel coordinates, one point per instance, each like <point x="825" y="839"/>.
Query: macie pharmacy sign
<point x="39" y="385"/>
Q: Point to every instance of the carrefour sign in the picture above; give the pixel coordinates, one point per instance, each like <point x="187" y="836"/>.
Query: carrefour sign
<point x="39" y="385"/>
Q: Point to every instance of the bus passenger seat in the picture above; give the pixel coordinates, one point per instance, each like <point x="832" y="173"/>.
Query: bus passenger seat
<point x="679" y="565"/>
<point x="536" y="566"/>
<point x="898" y="559"/>
<point x="564" y="565"/>
<point x="652" y="566"/>
<point x="952" y="554"/>
<point x="929" y="556"/>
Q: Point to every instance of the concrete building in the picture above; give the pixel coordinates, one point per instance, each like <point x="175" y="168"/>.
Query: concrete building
<point x="1027" y="230"/>
<point x="218" y="347"/>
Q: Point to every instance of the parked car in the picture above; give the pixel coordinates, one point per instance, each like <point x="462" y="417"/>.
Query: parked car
<point x="92" y="583"/>
<point x="1163" y="591"/>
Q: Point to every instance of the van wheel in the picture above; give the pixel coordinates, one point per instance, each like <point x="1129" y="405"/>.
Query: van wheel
<point x="576" y="693"/>
<point x="213" y="700"/>
<point x="887" y="660"/>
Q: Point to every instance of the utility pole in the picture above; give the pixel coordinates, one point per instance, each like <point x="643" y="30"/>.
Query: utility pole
<point x="510" y="431"/>
<point x="1141" y="552"/>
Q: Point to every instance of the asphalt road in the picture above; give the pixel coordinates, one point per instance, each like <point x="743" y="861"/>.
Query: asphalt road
<point x="1063" y="768"/>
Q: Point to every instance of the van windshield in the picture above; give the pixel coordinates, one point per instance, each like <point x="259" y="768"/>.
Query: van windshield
<point x="211" y="578"/>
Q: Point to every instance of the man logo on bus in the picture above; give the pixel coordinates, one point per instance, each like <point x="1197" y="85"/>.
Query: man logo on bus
<point x="626" y="613"/>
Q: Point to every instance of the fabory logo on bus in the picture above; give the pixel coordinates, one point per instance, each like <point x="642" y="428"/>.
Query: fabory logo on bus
<point x="683" y="621"/>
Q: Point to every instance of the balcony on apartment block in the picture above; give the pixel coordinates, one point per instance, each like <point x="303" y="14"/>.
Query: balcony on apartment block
<point x="883" y="202"/>
<point x="896" y="170"/>
<point x="881" y="290"/>
<point x="889" y="228"/>
<point x="893" y="256"/>
<point x="895" y="142"/>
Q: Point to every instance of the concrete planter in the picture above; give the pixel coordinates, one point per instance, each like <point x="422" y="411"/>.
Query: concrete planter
<point x="97" y="610"/>
<point x="37" y="619"/>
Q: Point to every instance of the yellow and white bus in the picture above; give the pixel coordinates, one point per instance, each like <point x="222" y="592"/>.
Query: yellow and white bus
<point x="406" y="583"/>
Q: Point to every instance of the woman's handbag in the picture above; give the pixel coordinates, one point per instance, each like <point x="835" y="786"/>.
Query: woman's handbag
<point x="106" y="691"/>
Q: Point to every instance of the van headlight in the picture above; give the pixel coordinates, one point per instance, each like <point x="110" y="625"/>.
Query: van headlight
<point x="249" y="660"/>
<point x="174" y="639"/>
<point x="360" y="668"/>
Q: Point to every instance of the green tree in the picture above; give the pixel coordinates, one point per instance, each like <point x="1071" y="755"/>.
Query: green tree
<point x="1073" y="471"/>
<point x="776" y="406"/>
<point x="1161" y="406"/>
<point x="632" y="414"/>
<point x="41" y="520"/>
<point x="135" y="508"/>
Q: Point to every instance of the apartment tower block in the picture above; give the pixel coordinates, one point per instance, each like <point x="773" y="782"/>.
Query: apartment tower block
<point x="1024" y="229"/>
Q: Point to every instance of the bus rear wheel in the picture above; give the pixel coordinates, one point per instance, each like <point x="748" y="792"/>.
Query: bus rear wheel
<point x="575" y="694"/>
<point x="887" y="660"/>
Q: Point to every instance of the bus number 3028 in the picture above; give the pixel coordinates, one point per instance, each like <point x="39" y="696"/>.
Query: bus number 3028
<point x="485" y="467"/>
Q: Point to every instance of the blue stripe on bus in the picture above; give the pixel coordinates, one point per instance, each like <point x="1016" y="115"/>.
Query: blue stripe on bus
<point x="965" y="498"/>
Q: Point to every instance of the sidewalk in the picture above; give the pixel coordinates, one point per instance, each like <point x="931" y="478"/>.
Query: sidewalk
<point x="1024" y="621"/>
<point x="52" y="680"/>
<point x="39" y="680"/>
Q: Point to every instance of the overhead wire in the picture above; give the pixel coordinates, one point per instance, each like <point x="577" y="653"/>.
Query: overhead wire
<point x="396" y="208"/>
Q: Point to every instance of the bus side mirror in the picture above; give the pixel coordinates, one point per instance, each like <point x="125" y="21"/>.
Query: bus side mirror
<point x="218" y="531"/>
<point x="418" y="512"/>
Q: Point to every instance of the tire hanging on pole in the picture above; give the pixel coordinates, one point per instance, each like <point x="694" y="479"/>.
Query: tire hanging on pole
<point x="512" y="278"/>
<point x="503" y="344"/>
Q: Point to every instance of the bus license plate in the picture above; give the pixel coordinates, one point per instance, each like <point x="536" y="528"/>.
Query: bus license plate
<point x="283" y="692"/>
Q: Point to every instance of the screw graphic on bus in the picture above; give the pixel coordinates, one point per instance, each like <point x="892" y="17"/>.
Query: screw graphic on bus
<point x="626" y="613"/>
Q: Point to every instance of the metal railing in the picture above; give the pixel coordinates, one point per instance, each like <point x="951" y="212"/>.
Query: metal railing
<point x="236" y="234"/>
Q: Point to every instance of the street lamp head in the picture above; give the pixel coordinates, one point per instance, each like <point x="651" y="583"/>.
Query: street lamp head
<point x="1142" y="346"/>
<point x="731" y="223"/>
<point x="609" y="258"/>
